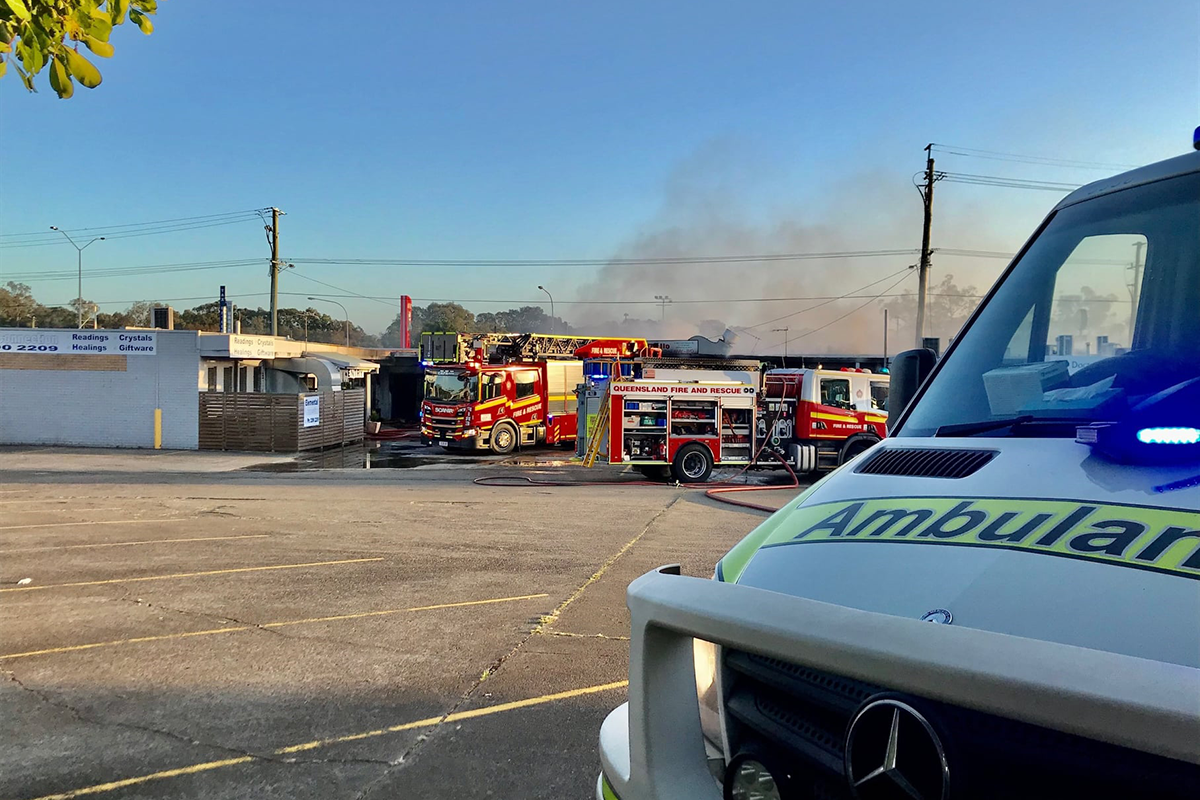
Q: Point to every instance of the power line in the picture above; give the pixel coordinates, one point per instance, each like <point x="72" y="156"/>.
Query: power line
<point x="1010" y="183"/>
<point x="392" y="303"/>
<point x="130" y="234"/>
<point x="831" y="300"/>
<point x="136" y="225"/>
<point x="996" y="155"/>
<point x="602" y="262"/>
<point x="843" y="316"/>
<point x="146" y="269"/>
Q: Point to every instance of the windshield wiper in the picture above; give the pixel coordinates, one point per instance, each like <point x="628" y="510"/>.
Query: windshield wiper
<point x="985" y="425"/>
<point x="982" y="426"/>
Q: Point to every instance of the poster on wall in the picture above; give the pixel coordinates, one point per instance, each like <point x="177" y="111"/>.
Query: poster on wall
<point x="83" y="342"/>
<point x="312" y="411"/>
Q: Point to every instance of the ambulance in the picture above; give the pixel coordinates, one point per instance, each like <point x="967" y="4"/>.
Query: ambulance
<point x="999" y="600"/>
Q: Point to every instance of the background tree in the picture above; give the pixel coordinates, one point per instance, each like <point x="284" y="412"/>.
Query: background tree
<point x="17" y="306"/>
<point x="46" y="34"/>
<point x="947" y="307"/>
<point x="526" y="319"/>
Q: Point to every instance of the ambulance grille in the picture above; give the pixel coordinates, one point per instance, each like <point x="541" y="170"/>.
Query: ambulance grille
<point x="800" y="716"/>
<point x="923" y="462"/>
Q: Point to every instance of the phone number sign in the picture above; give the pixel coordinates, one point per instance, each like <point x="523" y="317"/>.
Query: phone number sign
<point x="122" y="343"/>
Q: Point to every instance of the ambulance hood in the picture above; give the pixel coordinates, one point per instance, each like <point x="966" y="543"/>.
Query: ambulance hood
<point x="1043" y="540"/>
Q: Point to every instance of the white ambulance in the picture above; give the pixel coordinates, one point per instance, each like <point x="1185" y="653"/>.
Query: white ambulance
<point x="1002" y="599"/>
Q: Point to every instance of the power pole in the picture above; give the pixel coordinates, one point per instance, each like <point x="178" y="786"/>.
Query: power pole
<point x="662" y="299"/>
<point x="885" y="333"/>
<point x="784" y="331"/>
<point x="1135" y="291"/>
<point x="923" y="270"/>
<point x="276" y="266"/>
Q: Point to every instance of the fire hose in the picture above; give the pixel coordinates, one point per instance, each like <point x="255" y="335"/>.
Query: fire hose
<point x="715" y="492"/>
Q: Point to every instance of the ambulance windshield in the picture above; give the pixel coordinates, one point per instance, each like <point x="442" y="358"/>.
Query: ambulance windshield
<point x="451" y="386"/>
<point x="1098" y="314"/>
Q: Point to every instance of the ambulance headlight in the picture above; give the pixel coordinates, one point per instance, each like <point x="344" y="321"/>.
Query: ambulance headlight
<point x="749" y="778"/>
<point x="708" y="691"/>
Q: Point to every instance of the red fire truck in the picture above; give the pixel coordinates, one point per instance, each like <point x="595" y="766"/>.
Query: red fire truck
<point x="686" y="426"/>
<point x="682" y="423"/>
<point x="817" y="419"/>
<point x="507" y="389"/>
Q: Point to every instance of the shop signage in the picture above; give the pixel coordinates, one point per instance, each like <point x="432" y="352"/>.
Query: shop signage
<point x="312" y="410"/>
<point x="81" y="342"/>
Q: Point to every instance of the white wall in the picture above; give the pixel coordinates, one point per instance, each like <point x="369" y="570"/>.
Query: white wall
<point x="80" y="406"/>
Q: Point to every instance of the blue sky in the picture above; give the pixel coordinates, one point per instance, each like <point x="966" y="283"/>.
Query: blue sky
<point x="538" y="130"/>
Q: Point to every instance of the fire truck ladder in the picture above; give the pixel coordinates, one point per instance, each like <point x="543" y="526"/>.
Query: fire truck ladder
<point x="600" y="430"/>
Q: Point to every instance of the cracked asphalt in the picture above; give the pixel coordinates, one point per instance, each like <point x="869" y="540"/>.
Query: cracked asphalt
<point x="188" y="629"/>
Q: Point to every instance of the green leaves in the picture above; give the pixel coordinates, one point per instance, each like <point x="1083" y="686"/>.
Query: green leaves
<point x="98" y="47"/>
<point x="141" y="21"/>
<point x="44" y="34"/>
<point x="83" y="70"/>
<point x="20" y="9"/>
<point x="60" y="81"/>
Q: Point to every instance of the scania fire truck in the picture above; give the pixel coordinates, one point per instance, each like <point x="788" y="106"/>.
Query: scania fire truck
<point x="508" y="390"/>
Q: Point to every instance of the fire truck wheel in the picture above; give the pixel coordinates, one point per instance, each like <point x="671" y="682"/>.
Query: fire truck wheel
<point x="504" y="439"/>
<point x="855" y="446"/>
<point x="693" y="464"/>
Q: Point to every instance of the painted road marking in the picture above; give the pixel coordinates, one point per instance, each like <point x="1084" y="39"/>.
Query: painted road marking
<point x="101" y="522"/>
<point x="191" y="574"/>
<point x="428" y="722"/>
<point x="130" y="544"/>
<point x="235" y="629"/>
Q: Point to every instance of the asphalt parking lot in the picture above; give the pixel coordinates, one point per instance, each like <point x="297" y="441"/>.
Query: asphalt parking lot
<point x="177" y="626"/>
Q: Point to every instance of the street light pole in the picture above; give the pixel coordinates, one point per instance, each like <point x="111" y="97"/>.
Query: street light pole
<point x="547" y="291"/>
<point x="662" y="299"/>
<point x="79" y="298"/>
<point x="344" y="311"/>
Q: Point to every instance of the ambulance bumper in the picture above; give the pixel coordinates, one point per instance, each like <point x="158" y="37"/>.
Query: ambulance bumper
<point x="652" y="747"/>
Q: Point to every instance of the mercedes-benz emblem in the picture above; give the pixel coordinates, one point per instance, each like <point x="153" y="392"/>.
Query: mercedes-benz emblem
<point x="893" y="753"/>
<point x="941" y="616"/>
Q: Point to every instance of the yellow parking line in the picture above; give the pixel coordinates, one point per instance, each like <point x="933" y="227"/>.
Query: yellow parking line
<point x="102" y="522"/>
<point x="366" y="614"/>
<point x="428" y="722"/>
<point x="130" y="544"/>
<point x="234" y="629"/>
<point x="191" y="574"/>
<point x="455" y="717"/>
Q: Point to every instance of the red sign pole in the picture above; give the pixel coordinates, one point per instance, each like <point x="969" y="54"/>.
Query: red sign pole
<point x="405" y="321"/>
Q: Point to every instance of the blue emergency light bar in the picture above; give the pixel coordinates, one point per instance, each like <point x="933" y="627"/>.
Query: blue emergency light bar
<point x="1196" y="139"/>
<point x="1168" y="435"/>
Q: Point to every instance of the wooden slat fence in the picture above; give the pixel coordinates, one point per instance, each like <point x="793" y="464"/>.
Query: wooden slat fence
<point x="274" y="422"/>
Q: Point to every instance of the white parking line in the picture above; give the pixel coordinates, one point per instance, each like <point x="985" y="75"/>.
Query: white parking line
<point x="100" y="522"/>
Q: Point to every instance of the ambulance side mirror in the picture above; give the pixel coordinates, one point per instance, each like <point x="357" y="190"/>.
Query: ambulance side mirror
<point x="908" y="370"/>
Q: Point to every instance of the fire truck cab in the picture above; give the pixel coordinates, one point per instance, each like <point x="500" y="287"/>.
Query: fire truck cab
<point x="500" y="391"/>
<point x="817" y="419"/>
<point x="500" y="406"/>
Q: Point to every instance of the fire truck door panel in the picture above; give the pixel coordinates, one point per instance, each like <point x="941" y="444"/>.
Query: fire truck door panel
<point x="836" y="392"/>
<point x="561" y="379"/>
<point x="527" y="405"/>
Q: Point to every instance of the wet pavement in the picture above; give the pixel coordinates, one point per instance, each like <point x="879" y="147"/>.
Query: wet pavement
<point x="402" y="454"/>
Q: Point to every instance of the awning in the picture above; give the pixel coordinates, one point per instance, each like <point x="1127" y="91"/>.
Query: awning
<point x="349" y="366"/>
